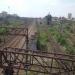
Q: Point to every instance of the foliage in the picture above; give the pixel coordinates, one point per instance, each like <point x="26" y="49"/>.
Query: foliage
<point x="65" y="39"/>
<point x="3" y="30"/>
<point x="71" y="49"/>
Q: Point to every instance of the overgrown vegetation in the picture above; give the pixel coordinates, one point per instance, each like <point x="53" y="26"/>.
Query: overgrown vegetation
<point x="63" y="33"/>
<point x="3" y="30"/>
<point x="12" y="20"/>
<point x="42" y="39"/>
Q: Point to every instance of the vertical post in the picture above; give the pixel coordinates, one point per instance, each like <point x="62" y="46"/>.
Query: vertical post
<point x="0" y="58"/>
<point x="9" y="70"/>
<point x="27" y="38"/>
<point x="26" y="51"/>
<point x="51" y="65"/>
<point x="73" y="67"/>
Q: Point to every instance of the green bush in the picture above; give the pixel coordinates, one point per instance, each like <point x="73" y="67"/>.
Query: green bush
<point x="71" y="50"/>
<point x="61" y="40"/>
<point x="3" y="30"/>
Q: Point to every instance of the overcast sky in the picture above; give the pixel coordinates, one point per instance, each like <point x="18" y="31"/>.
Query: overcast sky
<point x="38" y="8"/>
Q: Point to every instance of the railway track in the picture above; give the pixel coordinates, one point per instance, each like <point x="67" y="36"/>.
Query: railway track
<point x="19" y="41"/>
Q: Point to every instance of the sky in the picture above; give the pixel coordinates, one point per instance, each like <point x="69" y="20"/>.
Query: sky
<point x="38" y="8"/>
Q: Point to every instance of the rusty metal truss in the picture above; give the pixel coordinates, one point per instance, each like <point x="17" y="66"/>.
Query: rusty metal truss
<point x="38" y="63"/>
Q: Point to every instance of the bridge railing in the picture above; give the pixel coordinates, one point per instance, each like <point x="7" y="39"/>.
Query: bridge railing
<point x="39" y="62"/>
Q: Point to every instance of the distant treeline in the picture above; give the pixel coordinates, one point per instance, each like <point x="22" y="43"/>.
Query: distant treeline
<point x="13" y="19"/>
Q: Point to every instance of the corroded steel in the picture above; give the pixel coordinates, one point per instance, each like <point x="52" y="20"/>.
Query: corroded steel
<point x="39" y="62"/>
